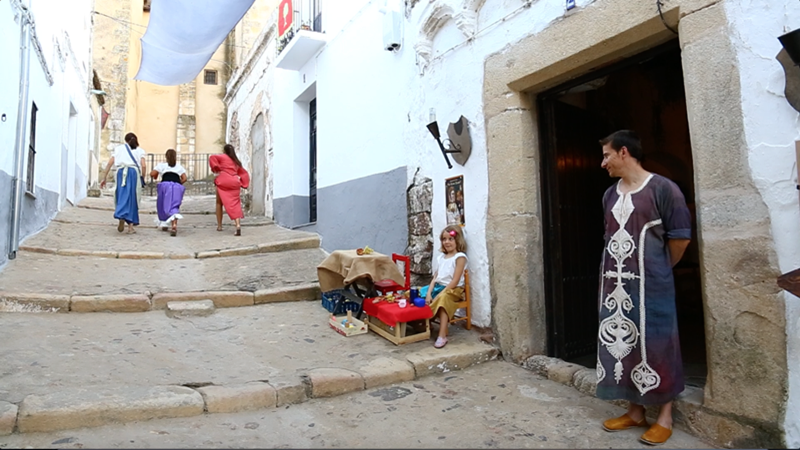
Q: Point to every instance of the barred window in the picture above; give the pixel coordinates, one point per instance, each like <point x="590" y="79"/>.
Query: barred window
<point x="29" y="185"/>
<point x="210" y="77"/>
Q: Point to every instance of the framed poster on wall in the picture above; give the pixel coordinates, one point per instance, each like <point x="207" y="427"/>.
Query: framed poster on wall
<point x="454" y="198"/>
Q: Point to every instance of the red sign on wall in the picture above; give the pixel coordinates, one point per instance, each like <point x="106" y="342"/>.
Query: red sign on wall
<point x="285" y="15"/>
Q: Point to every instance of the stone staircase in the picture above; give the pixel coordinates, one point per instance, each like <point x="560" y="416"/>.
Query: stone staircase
<point x="102" y="327"/>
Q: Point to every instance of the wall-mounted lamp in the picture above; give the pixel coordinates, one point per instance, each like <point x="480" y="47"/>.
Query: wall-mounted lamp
<point x="791" y="42"/>
<point x="97" y="92"/>
<point x="459" y="142"/>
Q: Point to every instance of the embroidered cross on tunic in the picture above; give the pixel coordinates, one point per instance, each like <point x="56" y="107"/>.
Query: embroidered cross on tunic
<point x="638" y="351"/>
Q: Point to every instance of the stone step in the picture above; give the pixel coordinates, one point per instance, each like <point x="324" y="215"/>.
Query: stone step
<point x="82" y="239"/>
<point x="116" y="368"/>
<point x="205" y="219"/>
<point x="196" y="204"/>
<point x="88" y="283"/>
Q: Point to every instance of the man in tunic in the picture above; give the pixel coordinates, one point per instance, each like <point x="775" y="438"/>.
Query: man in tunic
<point x="647" y="229"/>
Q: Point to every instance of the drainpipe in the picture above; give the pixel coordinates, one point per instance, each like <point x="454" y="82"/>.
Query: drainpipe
<point x="22" y="120"/>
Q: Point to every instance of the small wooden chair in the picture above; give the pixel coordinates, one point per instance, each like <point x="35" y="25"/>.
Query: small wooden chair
<point x="466" y="304"/>
<point x="387" y="286"/>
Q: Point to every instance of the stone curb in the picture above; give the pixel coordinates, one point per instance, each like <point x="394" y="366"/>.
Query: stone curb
<point x="299" y="292"/>
<point x="8" y="418"/>
<point x="88" y="407"/>
<point x="109" y="303"/>
<point x="36" y="302"/>
<point x="91" y="407"/>
<point x="271" y="247"/>
<point x="221" y="299"/>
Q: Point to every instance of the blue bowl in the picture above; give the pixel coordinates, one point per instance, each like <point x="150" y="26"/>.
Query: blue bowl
<point x="419" y="302"/>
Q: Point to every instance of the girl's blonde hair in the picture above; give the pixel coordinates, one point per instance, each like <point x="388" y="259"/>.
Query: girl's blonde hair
<point x="461" y="243"/>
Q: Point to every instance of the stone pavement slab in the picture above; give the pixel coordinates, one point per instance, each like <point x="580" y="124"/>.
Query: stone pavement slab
<point x="42" y="353"/>
<point x="84" y="275"/>
<point x="494" y="405"/>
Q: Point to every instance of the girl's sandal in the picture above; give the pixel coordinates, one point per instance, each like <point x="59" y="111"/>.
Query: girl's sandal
<point x="440" y="342"/>
<point x="173" y="232"/>
<point x="238" y="232"/>
<point x="219" y="228"/>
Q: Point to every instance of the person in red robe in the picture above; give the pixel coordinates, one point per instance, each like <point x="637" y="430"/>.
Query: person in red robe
<point x="231" y="177"/>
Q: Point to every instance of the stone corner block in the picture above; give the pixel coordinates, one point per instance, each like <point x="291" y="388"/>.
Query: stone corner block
<point x="452" y="357"/>
<point x="307" y="291"/>
<point x="290" y="390"/>
<point x="330" y="382"/>
<point x="8" y="418"/>
<point x="724" y="431"/>
<point x="246" y="397"/>
<point x="34" y="302"/>
<point x="140" y="255"/>
<point x="585" y="380"/>
<point x="562" y="372"/>
<point x="110" y="303"/>
<point x="186" y="309"/>
<point x="92" y="407"/>
<point x="383" y="371"/>
<point x="538" y="364"/>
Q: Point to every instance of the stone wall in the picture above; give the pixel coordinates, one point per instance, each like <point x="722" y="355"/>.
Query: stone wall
<point x="420" y="232"/>
<point x="110" y="55"/>
<point x="744" y="311"/>
<point x="187" y="120"/>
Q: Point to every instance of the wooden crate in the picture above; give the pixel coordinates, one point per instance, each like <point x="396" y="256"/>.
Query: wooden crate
<point x="397" y="334"/>
<point x="360" y="327"/>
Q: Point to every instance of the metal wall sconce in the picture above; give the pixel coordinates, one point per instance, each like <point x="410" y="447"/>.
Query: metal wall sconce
<point x="789" y="58"/>
<point x="458" y="143"/>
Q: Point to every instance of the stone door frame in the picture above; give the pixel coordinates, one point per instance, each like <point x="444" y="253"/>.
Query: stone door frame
<point x="744" y="310"/>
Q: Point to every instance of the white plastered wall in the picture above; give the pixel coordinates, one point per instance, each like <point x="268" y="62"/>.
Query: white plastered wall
<point x="64" y="34"/>
<point x="373" y="105"/>
<point x="771" y="129"/>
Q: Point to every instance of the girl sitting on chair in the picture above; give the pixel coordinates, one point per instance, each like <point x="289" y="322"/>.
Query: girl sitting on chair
<point x="447" y="287"/>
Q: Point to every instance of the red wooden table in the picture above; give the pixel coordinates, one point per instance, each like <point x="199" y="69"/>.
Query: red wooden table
<point x="389" y="320"/>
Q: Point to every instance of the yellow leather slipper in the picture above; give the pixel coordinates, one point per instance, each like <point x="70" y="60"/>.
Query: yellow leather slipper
<point x="656" y="435"/>
<point x="623" y="422"/>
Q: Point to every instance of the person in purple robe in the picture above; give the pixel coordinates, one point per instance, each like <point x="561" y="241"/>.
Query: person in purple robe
<point x="647" y="229"/>
<point x="170" y="192"/>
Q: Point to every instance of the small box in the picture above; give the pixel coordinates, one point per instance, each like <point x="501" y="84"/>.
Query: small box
<point x="358" y="327"/>
<point x="330" y="299"/>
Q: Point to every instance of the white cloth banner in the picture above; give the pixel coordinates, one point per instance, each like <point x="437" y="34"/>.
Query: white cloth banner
<point x="183" y="35"/>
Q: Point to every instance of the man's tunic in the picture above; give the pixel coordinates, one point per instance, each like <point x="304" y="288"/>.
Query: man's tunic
<point x="639" y="355"/>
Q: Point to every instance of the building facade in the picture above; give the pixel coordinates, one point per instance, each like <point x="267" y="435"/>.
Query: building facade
<point x="59" y="122"/>
<point x="343" y="122"/>
<point x="189" y="118"/>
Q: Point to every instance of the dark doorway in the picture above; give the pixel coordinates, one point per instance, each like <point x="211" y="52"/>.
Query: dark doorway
<point x="312" y="162"/>
<point x="645" y="94"/>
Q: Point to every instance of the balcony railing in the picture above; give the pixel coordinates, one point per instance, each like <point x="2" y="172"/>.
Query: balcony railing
<point x="199" y="179"/>
<point x="307" y="17"/>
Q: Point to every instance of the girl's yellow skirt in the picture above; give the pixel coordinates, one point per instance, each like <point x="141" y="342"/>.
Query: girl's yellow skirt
<point x="450" y="300"/>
